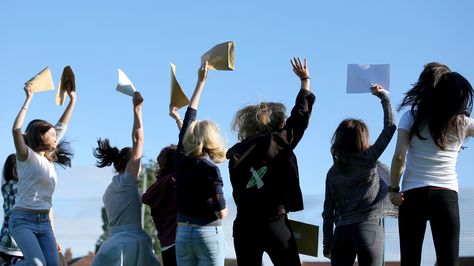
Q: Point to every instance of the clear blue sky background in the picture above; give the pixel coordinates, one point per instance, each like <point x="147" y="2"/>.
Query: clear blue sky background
<point x="143" y="37"/>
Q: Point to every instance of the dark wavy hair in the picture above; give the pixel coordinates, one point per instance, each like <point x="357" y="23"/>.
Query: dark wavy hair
<point x="441" y="109"/>
<point x="61" y="155"/>
<point x="428" y="78"/>
<point x="107" y="155"/>
<point x="166" y="161"/>
<point x="9" y="168"/>
<point x="350" y="137"/>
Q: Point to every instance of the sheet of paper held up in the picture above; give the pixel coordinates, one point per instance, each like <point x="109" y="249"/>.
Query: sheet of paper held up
<point x="361" y="77"/>
<point x="124" y="85"/>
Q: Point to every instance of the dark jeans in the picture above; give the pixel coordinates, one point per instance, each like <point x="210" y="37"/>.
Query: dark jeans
<point x="440" y="207"/>
<point x="273" y="237"/>
<point x="169" y="256"/>
<point x="364" y="239"/>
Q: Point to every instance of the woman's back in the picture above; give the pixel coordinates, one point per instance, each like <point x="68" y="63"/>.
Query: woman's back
<point x="429" y="165"/>
<point x="122" y="200"/>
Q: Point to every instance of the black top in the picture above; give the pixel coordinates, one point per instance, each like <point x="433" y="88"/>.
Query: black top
<point x="198" y="184"/>
<point x="263" y="169"/>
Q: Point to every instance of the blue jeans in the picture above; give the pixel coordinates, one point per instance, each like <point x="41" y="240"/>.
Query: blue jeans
<point x="440" y="207"/>
<point x="364" y="239"/>
<point x="200" y="245"/>
<point x="34" y="236"/>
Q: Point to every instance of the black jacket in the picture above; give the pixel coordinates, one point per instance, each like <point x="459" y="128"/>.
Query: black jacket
<point x="263" y="169"/>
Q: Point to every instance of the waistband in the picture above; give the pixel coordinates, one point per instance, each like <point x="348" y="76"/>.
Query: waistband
<point x="125" y="228"/>
<point x="31" y="210"/>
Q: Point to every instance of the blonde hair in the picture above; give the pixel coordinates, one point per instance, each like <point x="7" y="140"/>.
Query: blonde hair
<point x="259" y="118"/>
<point x="203" y="138"/>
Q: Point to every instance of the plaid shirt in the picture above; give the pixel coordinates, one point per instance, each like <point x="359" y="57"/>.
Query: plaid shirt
<point x="7" y="244"/>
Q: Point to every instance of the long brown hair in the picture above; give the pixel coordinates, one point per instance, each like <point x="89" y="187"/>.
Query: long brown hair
<point x="442" y="107"/>
<point x="61" y="155"/>
<point x="350" y="137"/>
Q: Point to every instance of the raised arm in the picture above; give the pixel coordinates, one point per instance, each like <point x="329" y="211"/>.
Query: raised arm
<point x="190" y="115"/>
<point x="389" y="126"/>
<point x="202" y="75"/>
<point x="70" y="107"/>
<point x="173" y="112"/>
<point x="297" y="122"/>
<point x="134" y="164"/>
<point x="18" y="139"/>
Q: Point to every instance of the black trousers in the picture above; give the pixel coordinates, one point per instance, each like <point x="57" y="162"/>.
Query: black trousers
<point x="439" y="207"/>
<point x="273" y="236"/>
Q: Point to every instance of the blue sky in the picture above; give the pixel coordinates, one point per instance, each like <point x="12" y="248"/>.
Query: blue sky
<point x="143" y="37"/>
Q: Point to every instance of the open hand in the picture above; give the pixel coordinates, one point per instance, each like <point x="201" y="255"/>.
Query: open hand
<point x="300" y="68"/>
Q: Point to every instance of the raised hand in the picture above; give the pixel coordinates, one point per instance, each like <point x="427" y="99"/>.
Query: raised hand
<point x="28" y="89"/>
<point x="202" y="72"/>
<point x="376" y="89"/>
<point x="137" y="99"/>
<point x="300" y="68"/>
<point x="173" y="112"/>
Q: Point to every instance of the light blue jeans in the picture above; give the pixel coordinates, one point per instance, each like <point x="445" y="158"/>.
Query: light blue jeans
<point x="200" y="245"/>
<point x="34" y="236"/>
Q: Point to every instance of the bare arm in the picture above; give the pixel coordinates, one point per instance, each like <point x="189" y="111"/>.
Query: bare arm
<point x="202" y="75"/>
<point x="398" y="164"/>
<point x="134" y="164"/>
<point x="222" y="213"/>
<point x="175" y="115"/>
<point x="18" y="139"/>
<point x="70" y="107"/>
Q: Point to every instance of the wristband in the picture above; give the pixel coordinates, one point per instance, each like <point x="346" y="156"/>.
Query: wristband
<point x="304" y="78"/>
<point x="394" y="189"/>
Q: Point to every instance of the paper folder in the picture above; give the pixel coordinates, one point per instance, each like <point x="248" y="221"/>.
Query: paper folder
<point x="43" y="81"/>
<point x="220" y="57"/>
<point x="177" y="97"/>
<point x="306" y="236"/>
<point x="67" y="76"/>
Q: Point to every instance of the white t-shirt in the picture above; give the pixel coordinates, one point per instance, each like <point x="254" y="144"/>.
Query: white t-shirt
<point x="37" y="178"/>
<point x="37" y="181"/>
<point x="427" y="164"/>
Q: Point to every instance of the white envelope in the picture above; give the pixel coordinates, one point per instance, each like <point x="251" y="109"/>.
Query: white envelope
<point x="361" y="77"/>
<point x="124" y="85"/>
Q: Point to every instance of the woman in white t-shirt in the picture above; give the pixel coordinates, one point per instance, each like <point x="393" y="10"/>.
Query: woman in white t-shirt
<point x="37" y="150"/>
<point x="430" y="136"/>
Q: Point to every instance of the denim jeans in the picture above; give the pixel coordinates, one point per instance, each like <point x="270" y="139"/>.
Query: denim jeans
<point x="33" y="233"/>
<point x="364" y="239"/>
<point x="440" y="207"/>
<point x="200" y="245"/>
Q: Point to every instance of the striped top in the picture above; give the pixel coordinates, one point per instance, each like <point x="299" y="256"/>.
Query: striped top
<point x="358" y="194"/>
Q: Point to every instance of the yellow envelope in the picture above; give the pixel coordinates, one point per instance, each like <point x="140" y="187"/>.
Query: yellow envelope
<point x="68" y="75"/>
<point x="43" y="81"/>
<point x="178" y="98"/>
<point x="220" y="57"/>
<point x="306" y="236"/>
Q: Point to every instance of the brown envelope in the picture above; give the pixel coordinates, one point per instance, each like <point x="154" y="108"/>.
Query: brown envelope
<point x="220" y="57"/>
<point x="178" y="98"/>
<point x="43" y="81"/>
<point x="68" y="75"/>
<point x="306" y="236"/>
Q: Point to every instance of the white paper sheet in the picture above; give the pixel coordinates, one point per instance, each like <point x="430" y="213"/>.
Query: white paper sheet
<point x="361" y="77"/>
<point x="124" y="85"/>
